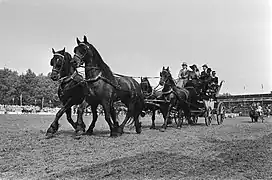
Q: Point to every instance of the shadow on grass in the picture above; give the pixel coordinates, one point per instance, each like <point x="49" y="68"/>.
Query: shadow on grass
<point x="238" y="160"/>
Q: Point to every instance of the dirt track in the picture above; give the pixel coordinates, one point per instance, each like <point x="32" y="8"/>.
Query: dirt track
<point x="237" y="149"/>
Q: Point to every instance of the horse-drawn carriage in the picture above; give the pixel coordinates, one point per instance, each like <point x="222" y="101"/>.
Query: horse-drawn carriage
<point x="208" y="107"/>
<point x="102" y="87"/>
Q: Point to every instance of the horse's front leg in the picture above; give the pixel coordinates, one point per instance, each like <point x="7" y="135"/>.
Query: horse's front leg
<point x="53" y="128"/>
<point x="163" y="128"/>
<point x="95" y="116"/>
<point x="69" y="118"/>
<point x="107" y="110"/>
<point x="80" y="129"/>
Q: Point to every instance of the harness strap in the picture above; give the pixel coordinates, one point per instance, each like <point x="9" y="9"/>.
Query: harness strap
<point x="58" y="54"/>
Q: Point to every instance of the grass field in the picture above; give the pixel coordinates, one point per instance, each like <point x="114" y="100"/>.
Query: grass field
<point x="238" y="149"/>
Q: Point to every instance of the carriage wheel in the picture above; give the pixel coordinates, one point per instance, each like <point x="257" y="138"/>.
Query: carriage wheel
<point x="220" y="113"/>
<point x="208" y="117"/>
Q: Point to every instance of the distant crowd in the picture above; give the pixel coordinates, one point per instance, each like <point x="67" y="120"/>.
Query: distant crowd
<point x="16" y="109"/>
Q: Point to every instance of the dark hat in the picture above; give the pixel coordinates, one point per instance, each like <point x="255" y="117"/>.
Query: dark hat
<point x="213" y="72"/>
<point x="184" y="64"/>
<point x="193" y="67"/>
<point x="205" y="65"/>
<point x="209" y="70"/>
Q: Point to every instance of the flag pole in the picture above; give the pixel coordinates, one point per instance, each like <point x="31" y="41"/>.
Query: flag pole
<point x="262" y="94"/>
<point x="244" y="96"/>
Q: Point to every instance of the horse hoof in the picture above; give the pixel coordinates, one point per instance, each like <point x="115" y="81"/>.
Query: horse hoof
<point x="138" y="131"/>
<point x="162" y="130"/>
<point x="49" y="135"/>
<point x="115" y="134"/>
<point x="80" y="133"/>
<point x="89" y="133"/>
<point x="77" y="137"/>
<point x="120" y="130"/>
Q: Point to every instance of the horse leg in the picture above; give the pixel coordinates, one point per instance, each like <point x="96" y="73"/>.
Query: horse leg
<point x="153" y="119"/>
<point x="138" y="107"/>
<point x="55" y="124"/>
<point x="137" y="123"/>
<point x="180" y="119"/>
<point x="187" y="115"/>
<point x="80" y="124"/>
<point x="107" y="111"/>
<point x="113" y="117"/>
<point x="69" y="118"/>
<point x="122" y="126"/>
<point x="95" y="116"/>
<point x="163" y="128"/>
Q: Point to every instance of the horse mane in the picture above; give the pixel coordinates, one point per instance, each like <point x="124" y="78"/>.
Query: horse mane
<point x="106" y="71"/>
<point x="171" y="78"/>
<point x="67" y="56"/>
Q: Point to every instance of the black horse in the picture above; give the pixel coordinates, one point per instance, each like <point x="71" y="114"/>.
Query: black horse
<point x="181" y="98"/>
<point x="151" y="96"/>
<point x="70" y="92"/>
<point x="105" y="89"/>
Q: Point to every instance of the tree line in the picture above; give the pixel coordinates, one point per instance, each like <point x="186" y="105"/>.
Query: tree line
<point x="28" y="87"/>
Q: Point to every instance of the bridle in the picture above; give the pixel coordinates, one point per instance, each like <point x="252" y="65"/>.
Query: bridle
<point x="80" y="57"/>
<point x="166" y="77"/>
<point x="62" y="63"/>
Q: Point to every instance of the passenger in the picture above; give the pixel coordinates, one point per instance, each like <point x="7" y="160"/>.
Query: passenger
<point x="193" y="79"/>
<point x="205" y="78"/>
<point x="214" y="79"/>
<point x="183" y="75"/>
<point x="259" y="109"/>
<point x="204" y="73"/>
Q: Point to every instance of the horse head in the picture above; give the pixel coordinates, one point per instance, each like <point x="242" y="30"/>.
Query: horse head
<point x="145" y="85"/>
<point x="57" y="63"/>
<point x="165" y="76"/>
<point x="81" y="52"/>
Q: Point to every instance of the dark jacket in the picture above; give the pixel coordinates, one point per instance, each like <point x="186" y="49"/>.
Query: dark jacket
<point x="214" y="80"/>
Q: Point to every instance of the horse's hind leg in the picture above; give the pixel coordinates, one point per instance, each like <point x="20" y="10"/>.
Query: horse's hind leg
<point x="137" y="123"/>
<point x="80" y="129"/>
<point x="69" y="118"/>
<point x="95" y="116"/>
<point x="121" y="127"/>
<point x="113" y="116"/>
<point x="129" y="114"/>
<point x="153" y="119"/>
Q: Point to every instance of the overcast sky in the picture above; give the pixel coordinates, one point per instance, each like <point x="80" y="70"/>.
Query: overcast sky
<point x="138" y="37"/>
